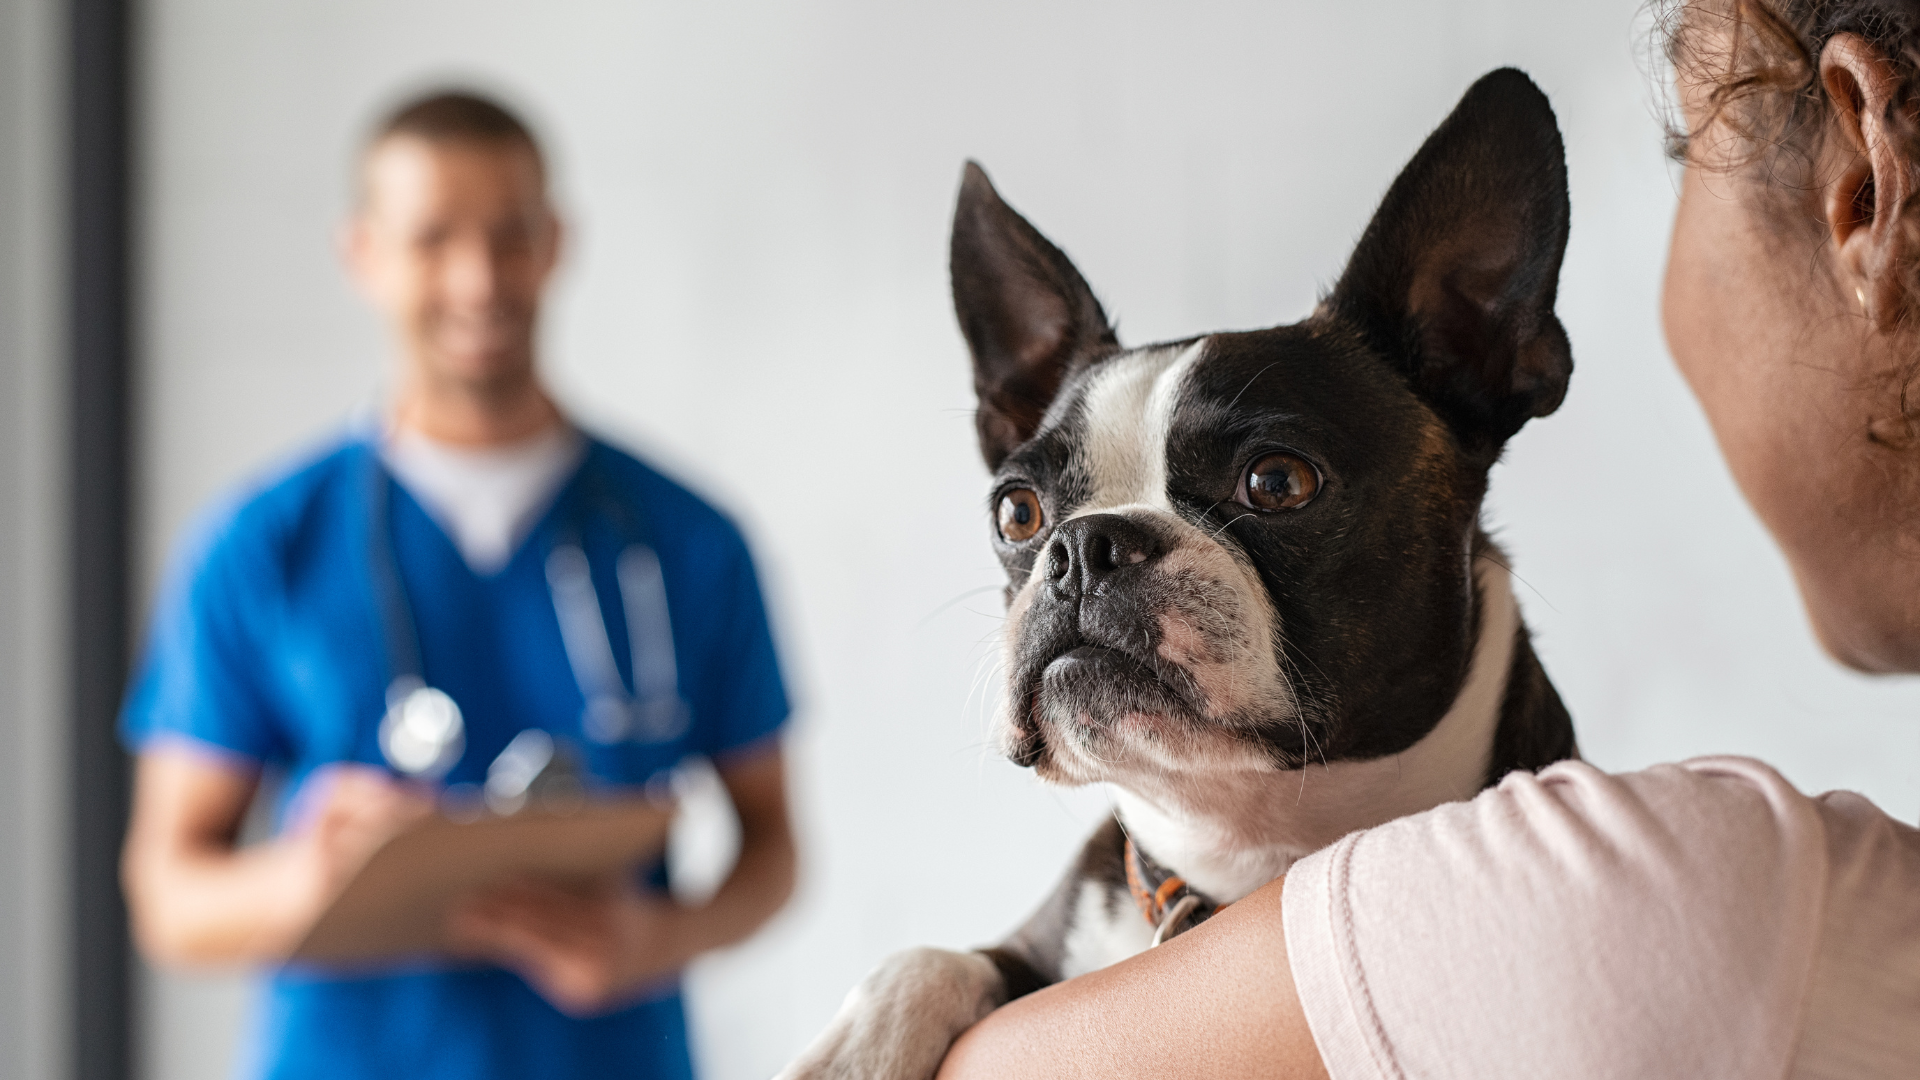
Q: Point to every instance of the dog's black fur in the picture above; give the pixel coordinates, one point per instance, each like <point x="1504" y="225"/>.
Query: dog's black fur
<point x="1436" y="345"/>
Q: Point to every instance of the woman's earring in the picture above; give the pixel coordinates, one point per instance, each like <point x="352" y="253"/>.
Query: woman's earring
<point x="1860" y="294"/>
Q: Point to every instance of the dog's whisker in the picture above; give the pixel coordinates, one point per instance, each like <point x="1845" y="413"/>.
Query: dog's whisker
<point x="947" y="606"/>
<point x="1229" y="525"/>
<point x="1250" y="382"/>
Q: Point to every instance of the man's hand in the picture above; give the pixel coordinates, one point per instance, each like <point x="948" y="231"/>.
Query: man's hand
<point x="590" y="949"/>
<point x="198" y="898"/>
<point x="586" y="949"/>
<point x="338" y="819"/>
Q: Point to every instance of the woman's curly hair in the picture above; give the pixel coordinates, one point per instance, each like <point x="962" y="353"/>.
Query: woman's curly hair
<point x="1760" y="60"/>
<point x="1759" y="63"/>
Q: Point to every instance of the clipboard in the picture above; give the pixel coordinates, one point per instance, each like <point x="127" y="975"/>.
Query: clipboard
<point x="396" y="906"/>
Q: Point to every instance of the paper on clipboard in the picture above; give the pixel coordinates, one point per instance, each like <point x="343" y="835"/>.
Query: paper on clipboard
<point x="396" y="906"/>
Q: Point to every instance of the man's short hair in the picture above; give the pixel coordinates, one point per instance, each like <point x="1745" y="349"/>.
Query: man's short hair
<point x="455" y="116"/>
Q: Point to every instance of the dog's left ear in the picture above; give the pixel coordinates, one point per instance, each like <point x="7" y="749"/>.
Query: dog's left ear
<point x="1027" y="314"/>
<point x="1454" y="279"/>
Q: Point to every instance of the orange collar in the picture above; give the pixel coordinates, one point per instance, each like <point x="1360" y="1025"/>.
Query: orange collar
<point x="1163" y="897"/>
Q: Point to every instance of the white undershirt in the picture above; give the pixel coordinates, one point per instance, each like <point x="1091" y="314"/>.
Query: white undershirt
<point x="486" y="498"/>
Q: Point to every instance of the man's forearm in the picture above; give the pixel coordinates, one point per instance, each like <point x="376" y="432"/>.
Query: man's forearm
<point x="761" y="881"/>
<point x="197" y="898"/>
<point x="212" y="907"/>
<point x="762" y="877"/>
<point x="194" y="897"/>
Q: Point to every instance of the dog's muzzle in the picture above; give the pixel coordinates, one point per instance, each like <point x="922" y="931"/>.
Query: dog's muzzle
<point x="1086" y="649"/>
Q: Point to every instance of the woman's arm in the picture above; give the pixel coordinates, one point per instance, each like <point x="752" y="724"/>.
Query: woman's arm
<point x="1217" y="1001"/>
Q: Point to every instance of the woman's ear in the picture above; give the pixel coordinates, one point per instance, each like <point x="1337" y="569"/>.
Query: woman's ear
<point x="1865" y="201"/>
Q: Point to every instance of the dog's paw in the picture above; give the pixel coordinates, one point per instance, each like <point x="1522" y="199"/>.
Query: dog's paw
<point x="898" y="1023"/>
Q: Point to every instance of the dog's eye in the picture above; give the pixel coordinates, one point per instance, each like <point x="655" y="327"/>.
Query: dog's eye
<point x="1019" y="516"/>
<point x="1279" y="482"/>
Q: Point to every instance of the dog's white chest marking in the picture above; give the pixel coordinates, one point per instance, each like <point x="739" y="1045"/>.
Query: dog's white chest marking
<point x="1242" y="830"/>
<point x="1128" y="411"/>
<point x="1107" y="928"/>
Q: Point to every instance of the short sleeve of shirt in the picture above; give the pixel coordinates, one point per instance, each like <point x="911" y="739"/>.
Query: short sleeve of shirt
<point x="1692" y="920"/>
<point x="746" y="699"/>
<point x="198" y="675"/>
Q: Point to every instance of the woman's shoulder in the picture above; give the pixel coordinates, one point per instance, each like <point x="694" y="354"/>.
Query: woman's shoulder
<point x="1709" y="802"/>
<point x="1721" y="826"/>
<point x="1621" y="841"/>
<point x="1676" y="798"/>
<point x="1698" y="914"/>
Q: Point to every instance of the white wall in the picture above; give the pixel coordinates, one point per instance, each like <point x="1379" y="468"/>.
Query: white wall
<point x="33" y="864"/>
<point x="757" y="295"/>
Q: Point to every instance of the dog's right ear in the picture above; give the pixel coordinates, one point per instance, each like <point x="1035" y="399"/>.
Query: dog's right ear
<point x="1026" y="312"/>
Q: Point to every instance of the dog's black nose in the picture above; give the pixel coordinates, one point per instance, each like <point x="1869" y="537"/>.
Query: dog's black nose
<point x="1087" y="551"/>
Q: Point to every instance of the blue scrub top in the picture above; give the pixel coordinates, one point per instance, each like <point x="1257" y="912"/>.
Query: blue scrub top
<point x="266" y="645"/>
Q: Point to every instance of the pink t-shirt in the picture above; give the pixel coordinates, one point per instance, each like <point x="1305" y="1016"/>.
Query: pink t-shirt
<point x="1696" y="920"/>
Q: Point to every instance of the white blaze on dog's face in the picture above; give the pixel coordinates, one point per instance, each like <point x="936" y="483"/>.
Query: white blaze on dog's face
<point x="1173" y="657"/>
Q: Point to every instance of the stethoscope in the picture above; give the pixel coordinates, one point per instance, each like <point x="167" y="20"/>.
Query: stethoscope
<point x="422" y="733"/>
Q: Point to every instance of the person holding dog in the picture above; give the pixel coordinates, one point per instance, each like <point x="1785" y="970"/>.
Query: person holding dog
<point x="1704" y="919"/>
<point x="407" y="603"/>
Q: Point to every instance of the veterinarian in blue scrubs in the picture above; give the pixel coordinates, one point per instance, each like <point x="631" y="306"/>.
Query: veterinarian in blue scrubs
<point x="406" y="602"/>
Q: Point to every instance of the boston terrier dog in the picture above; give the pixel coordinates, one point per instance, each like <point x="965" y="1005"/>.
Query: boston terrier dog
<point x="1247" y="584"/>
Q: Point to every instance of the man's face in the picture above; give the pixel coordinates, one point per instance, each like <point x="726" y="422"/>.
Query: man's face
<point x="454" y="242"/>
